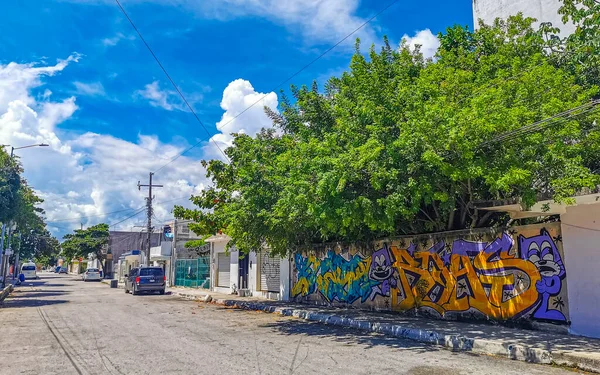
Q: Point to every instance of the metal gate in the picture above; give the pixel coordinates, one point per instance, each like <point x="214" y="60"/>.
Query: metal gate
<point x="269" y="273"/>
<point x="193" y="273"/>
<point x="223" y="273"/>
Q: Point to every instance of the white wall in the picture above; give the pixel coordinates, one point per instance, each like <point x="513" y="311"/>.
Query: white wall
<point x="219" y="247"/>
<point x="234" y="269"/>
<point x="285" y="281"/>
<point x="253" y="275"/>
<point x="542" y="10"/>
<point x="581" y="244"/>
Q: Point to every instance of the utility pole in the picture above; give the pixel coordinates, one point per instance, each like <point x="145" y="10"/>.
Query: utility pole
<point x="2" y="251"/>
<point x="149" y="213"/>
<point x="7" y="253"/>
<point x="16" y="266"/>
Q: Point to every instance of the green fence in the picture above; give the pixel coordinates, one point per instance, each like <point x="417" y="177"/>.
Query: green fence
<point x="193" y="273"/>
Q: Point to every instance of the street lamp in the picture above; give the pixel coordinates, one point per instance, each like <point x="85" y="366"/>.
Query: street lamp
<point x="12" y="149"/>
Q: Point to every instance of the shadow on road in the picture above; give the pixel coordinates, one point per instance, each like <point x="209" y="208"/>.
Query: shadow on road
<point x="14" y="303"/>
<point x="40" y="294"/>
<point x="345" y="335"/>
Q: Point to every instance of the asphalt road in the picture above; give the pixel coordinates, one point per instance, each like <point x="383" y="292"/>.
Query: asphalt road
<point x="60" y="325"/>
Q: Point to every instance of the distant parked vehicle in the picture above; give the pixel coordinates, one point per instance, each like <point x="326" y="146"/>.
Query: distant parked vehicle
<point x="92" y="274"/>
<point x="145" y="279"/>
<point x="29" y="271"/>
<point x="57" y="270"/>
<point x="63" y="270"/>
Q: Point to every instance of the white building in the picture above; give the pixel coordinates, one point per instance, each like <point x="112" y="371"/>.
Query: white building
<point x="256" y="274"/>
<point x="542" y="10"/>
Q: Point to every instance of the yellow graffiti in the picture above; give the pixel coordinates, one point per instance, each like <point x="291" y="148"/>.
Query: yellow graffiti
<point x="490" y="287"/>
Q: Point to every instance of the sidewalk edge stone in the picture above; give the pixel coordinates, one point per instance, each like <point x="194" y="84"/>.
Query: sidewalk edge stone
<point x="455" y="342"/>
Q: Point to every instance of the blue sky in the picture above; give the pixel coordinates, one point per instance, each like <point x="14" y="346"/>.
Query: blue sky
<point x="111" y="101"/>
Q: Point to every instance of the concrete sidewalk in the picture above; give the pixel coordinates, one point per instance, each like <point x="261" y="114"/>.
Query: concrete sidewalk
<point x="497" y="340"/>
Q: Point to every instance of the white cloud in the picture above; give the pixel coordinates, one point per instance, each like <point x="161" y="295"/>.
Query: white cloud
<point x="81" y="177"/>
<point x="317" y="21"/>
<point x="111" y="42"/>
<point x="89" y="89"/>
<point x="16" y="80"/>
<point x="237" y="97"/>
<point x="170" y="99"/>
<point x="428" y="42"/>
<point x="89" y="174"/>
<point x="158" y="97"/>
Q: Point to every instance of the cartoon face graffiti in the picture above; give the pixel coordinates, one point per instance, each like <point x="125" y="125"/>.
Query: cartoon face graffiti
<point x="543" y="253"/>
<point x="383" y="271"/>
<point x="381" y="265"/>
<point x="546" y="258"/>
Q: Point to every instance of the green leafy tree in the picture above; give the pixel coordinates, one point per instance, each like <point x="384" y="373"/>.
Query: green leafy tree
<point x="46" y="248"/>
<point x="401" y="145"/>
<point x="93" y="240"/>
<point x="20" y="205"/>
<point x="582" y="48"/>
<point x="10" y="183"/>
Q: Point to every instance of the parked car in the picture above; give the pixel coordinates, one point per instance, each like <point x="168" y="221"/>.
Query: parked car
<point x="145" y="279"/>
<point x="57" y="269"/>
<point x="63" y="270"/>
<point x="92" y="274"/>
<point x="29" y="270"/>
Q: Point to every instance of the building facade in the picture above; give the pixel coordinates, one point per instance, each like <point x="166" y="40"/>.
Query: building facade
<point x="122" y="242"/>
<point x="256" y="274"/>
<point x="541" y="10"/>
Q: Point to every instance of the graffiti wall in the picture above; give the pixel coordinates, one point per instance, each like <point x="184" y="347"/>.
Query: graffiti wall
<point x="517" y="274"/>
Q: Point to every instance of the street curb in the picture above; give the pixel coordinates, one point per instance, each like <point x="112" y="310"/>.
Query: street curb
<point x="454" y="342"/>
<point x="6" y="291"/>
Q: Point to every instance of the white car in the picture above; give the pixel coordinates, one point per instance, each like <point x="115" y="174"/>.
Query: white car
<point x="29" y="270"/>
<point x="92" y="274"/>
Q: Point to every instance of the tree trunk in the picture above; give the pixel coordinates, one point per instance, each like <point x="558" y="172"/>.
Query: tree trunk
<point x="451" y="219"/>
<point x="484" y="218"/>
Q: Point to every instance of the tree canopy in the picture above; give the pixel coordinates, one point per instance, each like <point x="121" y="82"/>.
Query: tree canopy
<point x="19" y="205"/>
<point x="399" y="144"/>
<point x="10" y="183"/>
<point x="82" y="242"/>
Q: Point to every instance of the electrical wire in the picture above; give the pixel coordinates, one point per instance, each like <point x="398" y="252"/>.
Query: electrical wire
<point x="110" y="213"/>
<point x="389" y="5"/>
<point x="89" y="216"/>
<point x="128" y="217"/>
<point x="126" y="238"/>
<point x="539" y="125"/>
<point x="172" y="82"/>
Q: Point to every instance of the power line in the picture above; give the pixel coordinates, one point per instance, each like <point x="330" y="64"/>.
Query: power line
<point x="109" y="213"/>
<point x="314" y="60"/>
<point x="389" y="5"/>
<point x="142" y="209"/>
<point x="128" y="217"/>
<point x="88" y="216"/>
<point x="170" y="80"/>
<point x="538" y="125"/>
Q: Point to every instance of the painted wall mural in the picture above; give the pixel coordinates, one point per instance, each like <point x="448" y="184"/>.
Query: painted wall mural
<point x="511" y="275"/>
